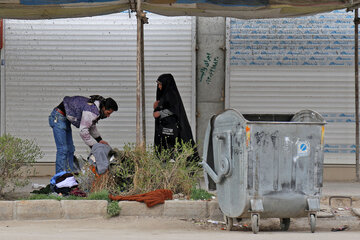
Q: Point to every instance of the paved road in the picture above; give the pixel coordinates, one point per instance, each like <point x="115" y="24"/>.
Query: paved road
<point x="165" y="228"/>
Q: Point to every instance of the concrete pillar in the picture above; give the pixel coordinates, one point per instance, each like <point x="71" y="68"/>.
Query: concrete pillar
<point x="210" y="82"/>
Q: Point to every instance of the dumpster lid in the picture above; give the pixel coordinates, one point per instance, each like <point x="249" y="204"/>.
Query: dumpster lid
<point x="303" y="116"/>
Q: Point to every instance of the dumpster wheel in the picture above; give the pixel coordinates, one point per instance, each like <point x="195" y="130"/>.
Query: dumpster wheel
<point x="284" y="224"/>
<point x="255" y="223"/>
<point x="229" y="223"/>
<point x="312" y="222"/>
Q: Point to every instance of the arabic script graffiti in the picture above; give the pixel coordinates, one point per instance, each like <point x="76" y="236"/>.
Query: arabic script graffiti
<point x="208" y="70"/>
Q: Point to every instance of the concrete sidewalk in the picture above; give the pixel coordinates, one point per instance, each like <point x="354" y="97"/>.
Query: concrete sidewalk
<point x="349" y="189"/>
<point x="341" y="192"/>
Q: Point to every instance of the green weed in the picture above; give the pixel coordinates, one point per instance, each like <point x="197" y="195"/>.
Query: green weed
<point x="113" y="209"/>
<point x="17" y="157"/>
<point x="200" y="194"/>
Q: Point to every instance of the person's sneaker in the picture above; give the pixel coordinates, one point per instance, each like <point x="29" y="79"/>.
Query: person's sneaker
<point x="38" y="186"/>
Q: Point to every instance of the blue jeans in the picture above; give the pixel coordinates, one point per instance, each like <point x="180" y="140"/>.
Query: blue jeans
<point x="64" y="142"/>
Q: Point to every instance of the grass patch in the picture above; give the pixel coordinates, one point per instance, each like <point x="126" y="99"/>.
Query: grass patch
<point x="43" y="197"/>
<point x="113" y="209"/>
<point x="174" y="169"/>
<point x="102" y="195"/>
<point x="200" y="194"/>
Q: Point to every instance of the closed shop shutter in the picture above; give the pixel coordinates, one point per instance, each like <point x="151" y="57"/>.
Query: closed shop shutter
<point x="46" y="60"/>
<point x="286" y="65"/>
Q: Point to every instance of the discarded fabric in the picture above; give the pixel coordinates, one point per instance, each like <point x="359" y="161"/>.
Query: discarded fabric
<point x="150" y="199"/>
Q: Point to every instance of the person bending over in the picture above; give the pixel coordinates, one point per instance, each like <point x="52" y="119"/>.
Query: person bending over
<point x="83" y="113"/>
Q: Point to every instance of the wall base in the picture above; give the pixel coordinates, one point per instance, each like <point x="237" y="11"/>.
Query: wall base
<point x="339" y="173"/>
<point x="44" y="169"/>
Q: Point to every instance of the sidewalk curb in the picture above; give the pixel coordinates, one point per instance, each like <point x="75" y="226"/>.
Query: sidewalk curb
<point x="6" y="210"/>
<point x="37" y="210"/>
<point x="81" y="209"/>
<point x="52" y="209"/>
<point x="174" y="208"/>
<point x="356" y="211"/>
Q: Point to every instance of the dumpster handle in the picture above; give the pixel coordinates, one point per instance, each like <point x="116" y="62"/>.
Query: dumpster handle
<point x="216" y="178"/>
<point x="225" y="166"/>
<point x="204" y="163"/>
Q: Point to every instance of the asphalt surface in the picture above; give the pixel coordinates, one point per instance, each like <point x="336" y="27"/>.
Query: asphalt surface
<point x="339" y="217"/>
<point x="166" y="228"/>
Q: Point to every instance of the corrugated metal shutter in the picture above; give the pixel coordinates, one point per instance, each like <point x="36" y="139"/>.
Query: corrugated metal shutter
<point x="49" y="59"/>
<point x="285" y="65"/>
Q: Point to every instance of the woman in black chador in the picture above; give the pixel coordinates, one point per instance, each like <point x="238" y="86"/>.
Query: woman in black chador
<point x="171" y="122"/>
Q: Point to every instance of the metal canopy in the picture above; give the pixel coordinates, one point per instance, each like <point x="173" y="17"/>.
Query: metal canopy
<point x="245" y="9"/>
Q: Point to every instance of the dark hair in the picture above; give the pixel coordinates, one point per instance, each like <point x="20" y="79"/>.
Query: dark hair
<point x="94" y="98"/>
<point x="108" y="103"/>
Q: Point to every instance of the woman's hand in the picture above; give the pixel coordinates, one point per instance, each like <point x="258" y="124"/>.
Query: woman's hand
<point x="156" y="103"/>
<point x="104" y="142"/>
<point x="156" y="114"/>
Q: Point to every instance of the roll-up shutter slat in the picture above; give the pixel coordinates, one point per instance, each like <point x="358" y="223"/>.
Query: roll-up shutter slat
<point x="49" y="59"/>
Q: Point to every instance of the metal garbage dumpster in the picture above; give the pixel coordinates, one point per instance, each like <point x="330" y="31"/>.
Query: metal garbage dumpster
<point x="265" y="165"/>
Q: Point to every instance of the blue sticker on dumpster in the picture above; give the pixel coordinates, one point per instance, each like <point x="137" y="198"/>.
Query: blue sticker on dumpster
<point x="303" y="148"/>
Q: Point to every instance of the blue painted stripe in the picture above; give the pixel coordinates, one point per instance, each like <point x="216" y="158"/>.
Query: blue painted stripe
<point x="339" y="117"/>
<point x="58" y="2"/>
<point x="339" y="151"/>
<point x="339" y="148"/>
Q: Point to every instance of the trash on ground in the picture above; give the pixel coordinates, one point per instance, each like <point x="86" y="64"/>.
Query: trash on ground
<point x="215" y="222"/>
<point x="342" y="228"/>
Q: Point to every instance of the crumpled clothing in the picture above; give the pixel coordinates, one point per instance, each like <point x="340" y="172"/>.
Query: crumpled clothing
<point x="44" y="190"/>
<point x="63" y="177"/>
<point x="56" y="176"/>
<point x="77" y="192"/>
<point x="67" y="182"/>
<point x="101" y="154"/>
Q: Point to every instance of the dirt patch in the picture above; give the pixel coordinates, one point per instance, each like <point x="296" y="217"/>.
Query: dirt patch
<point x="346" y="218"/>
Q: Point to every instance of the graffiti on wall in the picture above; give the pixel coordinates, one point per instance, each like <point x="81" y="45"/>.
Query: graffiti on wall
<point x="209" y="66"/>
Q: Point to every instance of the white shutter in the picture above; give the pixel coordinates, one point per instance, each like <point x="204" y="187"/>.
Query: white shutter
<point x="49" y="59"/>
<point x="286" y="65"/>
